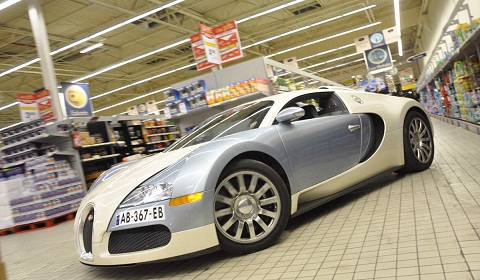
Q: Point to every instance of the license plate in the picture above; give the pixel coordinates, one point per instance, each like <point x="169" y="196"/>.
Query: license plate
<point x="147" y="214"/>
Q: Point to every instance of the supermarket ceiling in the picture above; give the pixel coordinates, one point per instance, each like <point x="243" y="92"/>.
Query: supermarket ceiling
<point x="158" y="43"/>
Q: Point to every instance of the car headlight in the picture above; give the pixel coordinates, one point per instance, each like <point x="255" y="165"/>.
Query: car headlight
<point x="144" y="194"/>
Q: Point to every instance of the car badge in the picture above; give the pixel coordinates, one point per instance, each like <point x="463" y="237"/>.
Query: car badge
<point x="90" y="218"/>
<point x="357" y="99"/>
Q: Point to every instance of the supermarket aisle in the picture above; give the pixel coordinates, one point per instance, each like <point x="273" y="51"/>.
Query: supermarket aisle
<point x="420" y="226"/>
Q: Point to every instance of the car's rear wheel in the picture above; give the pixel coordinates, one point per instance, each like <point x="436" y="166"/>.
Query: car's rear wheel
<point x="252" y="207"/>
<point x="417" y="142"/>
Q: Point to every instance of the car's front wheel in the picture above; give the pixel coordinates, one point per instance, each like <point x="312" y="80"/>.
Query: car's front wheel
<point x="252" y="207"/>
<point x="417" y="143"/>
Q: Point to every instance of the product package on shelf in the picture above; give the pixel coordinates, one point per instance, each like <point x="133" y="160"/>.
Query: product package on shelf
<point x="50" y="188"/>
<point x="159" y="135"/>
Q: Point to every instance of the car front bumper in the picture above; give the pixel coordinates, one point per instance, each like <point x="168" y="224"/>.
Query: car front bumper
<point x="181" y="244"/>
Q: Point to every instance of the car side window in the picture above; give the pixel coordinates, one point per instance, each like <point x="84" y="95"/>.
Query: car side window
<point x="318" y="105"/>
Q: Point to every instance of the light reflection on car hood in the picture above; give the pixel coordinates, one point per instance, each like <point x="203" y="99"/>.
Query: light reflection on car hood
<point x="122" y="183"/>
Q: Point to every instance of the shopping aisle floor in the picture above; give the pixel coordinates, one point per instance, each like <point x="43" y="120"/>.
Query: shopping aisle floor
<point x="420" y="226"/>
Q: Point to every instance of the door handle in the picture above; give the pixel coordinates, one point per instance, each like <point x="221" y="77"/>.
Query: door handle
<point x="353" y="127"/>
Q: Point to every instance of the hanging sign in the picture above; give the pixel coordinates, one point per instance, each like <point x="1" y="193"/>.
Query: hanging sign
<point x="132" y="111"/>
<point x="44" y="103"/>
<point x="210" y="44"/>
<point x="152" y="106"/>
<point x="228" y="41"/>
<point x="377" y="39"/>
<point x="77" y="99"/>
<point x="217" y="45"/>
<point x="417" y="56"/>
<point x="28" y="107"/>
<point x="378" y="59"/>
<point x="199" y="54"/>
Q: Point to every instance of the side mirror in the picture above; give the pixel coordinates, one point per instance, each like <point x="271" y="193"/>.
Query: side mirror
<point x="290" y="114"/>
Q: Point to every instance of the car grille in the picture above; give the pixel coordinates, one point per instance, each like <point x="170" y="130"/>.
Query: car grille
<point x="138" y="239"/>
<point x="87" y="232"/>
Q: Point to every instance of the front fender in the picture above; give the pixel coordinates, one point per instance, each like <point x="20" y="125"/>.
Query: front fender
<point x="201" y="170"/>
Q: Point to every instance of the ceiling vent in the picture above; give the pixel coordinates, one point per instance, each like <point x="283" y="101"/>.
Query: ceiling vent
<point x="306" y="8"/>
<point x="155" y="61"/>
<point x="160" y="15"/>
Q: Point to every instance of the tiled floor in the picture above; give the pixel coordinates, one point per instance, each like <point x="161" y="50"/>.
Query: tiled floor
<point x="420" y="226"/>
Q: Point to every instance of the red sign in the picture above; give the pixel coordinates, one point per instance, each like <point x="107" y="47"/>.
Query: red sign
<point x="199" y="54"/>
<point x="44" y="102"/>
<point x="228" y="41"/>
<point x="226" y="38"/>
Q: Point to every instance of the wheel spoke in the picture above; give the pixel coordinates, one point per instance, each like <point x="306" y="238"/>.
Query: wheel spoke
<point x="269" y="200"/>
<point x="223" y="212"/>
<point x="241" y="184"/>
<point x="238" y="234"/>
<point x="268" y="213"/>
<point x="223" y="199"/>
<point x="230" y="188"/>
<point x="261" y="223"/>
<point x="253" y="184"/>
<point x="262" y="191"/>
<point x="251" y="228"/>
<point x="229" y="223"/>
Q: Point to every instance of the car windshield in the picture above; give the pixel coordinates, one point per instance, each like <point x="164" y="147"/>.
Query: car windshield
<point x="240" y="118"/>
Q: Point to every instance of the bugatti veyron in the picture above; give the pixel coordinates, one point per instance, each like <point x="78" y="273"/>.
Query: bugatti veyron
<point x="234" y="181"/>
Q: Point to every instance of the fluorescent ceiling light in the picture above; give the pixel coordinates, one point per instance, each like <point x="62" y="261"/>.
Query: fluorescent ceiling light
<point x="136" y="98"/>
<point x="326" y="52"/>
<point x="269" y="11"/>
<point x="325" y="38"/>
<point x="116" y="26"/>
<point x="396" y="7"/>
<point x="92" y="47"/>
<point x="339" y="65"/>
<point x="8" y="3"/>
<point x="129" y="60"/>
<point x="144" y="80"/>
<point x="329" y="61"/>
<point x="308" y="26"/>
<point x="9" y="105"/>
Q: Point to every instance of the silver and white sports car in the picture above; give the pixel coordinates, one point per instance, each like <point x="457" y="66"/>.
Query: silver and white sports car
<point x="233" y="182"/>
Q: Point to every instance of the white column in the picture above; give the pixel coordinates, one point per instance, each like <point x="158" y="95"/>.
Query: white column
<point x="43" y="50"/>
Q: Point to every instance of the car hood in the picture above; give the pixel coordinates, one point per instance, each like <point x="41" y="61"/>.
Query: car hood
<point x="116" y="188"/>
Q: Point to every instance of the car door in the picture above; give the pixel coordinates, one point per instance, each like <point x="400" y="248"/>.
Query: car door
<point x="321" y="148"/>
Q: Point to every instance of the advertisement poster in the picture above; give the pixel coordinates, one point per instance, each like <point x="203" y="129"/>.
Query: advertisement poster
<point x="77" y="99"/>
<point x="378" y="59"/>
<point x="292" y="61"/>
<point x="132" y="111"/>
<point x="44" y="104"/>
<point x="142" y="109"/>
<point x="407" y="79"/>
<point x="228" y="41"/>
<point x="28" y="107"/>
<point x="199" y="54"/>
<point x="377" y="39"/>
<point x="152" y="107"/>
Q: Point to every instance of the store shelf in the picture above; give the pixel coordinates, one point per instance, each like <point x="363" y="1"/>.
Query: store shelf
<point x="40" y="138"/>
<point x="46" y="200"/>
<point x="94" y="175"/>
<point x="62" y="153"/>
<point x="156" y="150"/>
<point x="20" y="153"/>
<point x="162" y="134"/>
<point x="160" y="126"/>
<point x="100" y="158"/>
<point x="458" y="54"/>
<point x="98" y="145"/>
<point x="161" y="141"/>
<point x="74" y="204"/>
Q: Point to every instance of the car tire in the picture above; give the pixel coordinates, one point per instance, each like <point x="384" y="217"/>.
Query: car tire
<point x="418" y="143"/>
<point x="251" y="207"/>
